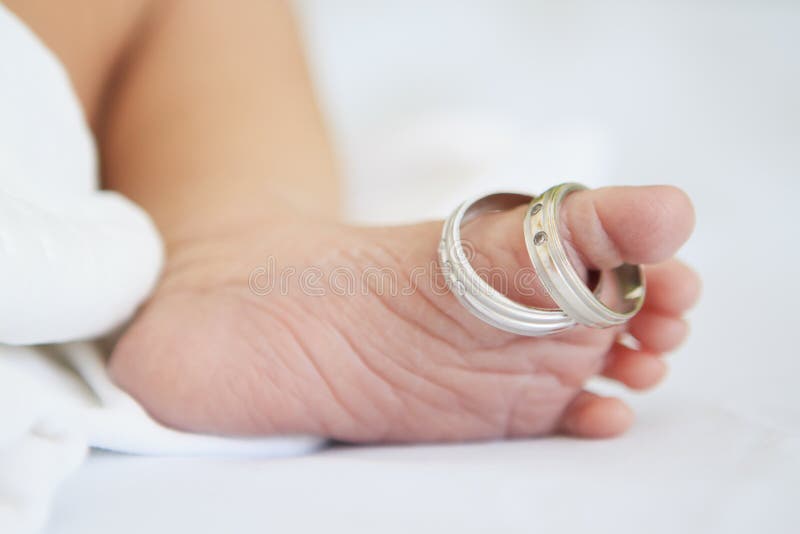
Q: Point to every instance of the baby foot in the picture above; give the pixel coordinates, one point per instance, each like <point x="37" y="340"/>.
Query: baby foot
<point x="320" y="351"/>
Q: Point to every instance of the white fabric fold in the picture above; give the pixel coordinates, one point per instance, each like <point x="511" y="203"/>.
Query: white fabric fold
<point x="75" y="263"/>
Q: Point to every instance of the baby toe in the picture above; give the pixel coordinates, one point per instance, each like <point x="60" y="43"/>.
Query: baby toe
<point x="657" y="332"/>
<point x="636" y="369"/>
<point x="592" y="416"/>
<point x="602" y="229"/>
<point x="608" y="226"/>
<point x="672" y="287"/>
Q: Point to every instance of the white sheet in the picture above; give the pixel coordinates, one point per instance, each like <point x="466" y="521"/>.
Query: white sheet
<point x="712" y="473"/>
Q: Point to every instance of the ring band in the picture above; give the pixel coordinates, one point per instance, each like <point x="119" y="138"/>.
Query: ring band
<point x="624" y="284"/>
<point x="475" y="293"/>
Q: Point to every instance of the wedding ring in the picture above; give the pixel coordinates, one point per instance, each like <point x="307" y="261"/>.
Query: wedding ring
<point x="475" y="293"/>
<point x="623" y="288"/>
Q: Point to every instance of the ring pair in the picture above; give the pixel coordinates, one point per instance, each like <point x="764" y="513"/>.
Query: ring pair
<point x="615" y="298"/>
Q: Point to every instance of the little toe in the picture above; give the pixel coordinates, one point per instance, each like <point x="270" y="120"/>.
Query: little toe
<point x="672" y="287"/>
<point x="592" y="416"/>
<point x="657" y="332"/>
<point x="636" y="369"/>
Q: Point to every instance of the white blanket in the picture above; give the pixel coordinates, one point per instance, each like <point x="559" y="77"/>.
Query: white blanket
<point x="75" y="263"/>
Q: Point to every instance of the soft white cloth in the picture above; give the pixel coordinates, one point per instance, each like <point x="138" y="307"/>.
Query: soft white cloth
<point x="75" y="262"/>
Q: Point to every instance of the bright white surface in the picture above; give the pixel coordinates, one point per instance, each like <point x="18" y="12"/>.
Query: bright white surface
<point x="429" y="94"/>
<point x="705" y="472"/>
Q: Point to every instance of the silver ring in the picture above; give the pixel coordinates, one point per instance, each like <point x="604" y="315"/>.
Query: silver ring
<point x="475" y="293"/>
<point x="624" y="286"/>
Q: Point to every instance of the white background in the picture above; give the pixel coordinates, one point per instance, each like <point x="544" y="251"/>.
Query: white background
<point x="430" y="99"/>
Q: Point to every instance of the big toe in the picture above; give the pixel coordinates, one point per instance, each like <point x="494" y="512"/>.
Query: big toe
<point x="612" y="225"/>
<point x="600" y="229"/>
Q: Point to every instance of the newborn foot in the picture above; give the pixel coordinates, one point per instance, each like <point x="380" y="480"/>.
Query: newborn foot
<point x="346" y="332"/>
